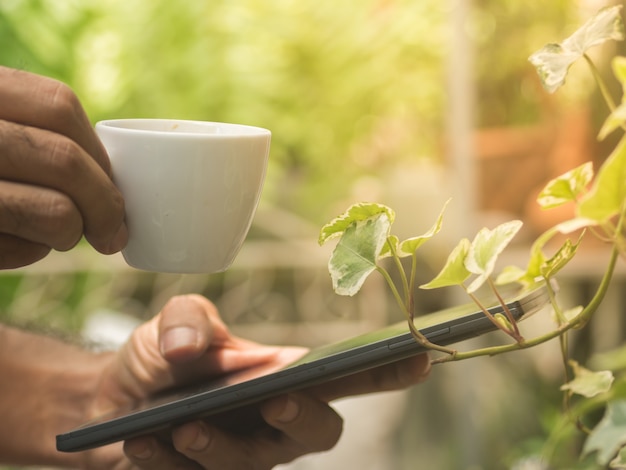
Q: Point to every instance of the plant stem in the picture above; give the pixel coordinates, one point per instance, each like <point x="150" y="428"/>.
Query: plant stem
<point x="507" y="311"/>
<point x="405" y="283"/>
<point x="419" y="337"/>
<point x="490" y="316"/>
<point x="560" y="317"/>
<point x="581" y="408"/>
<point x="563" y="344"/>
<point x="601" y="84"/>
<point x="393" y="288"/>
<point x="581" y="318"/>
<point x="593" y="305"/>
<point x="412" y="284"/>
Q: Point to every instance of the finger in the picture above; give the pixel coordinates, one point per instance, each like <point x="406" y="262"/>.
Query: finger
<point x="394" y="376"/>
<point x="45" y="103"/>
<point x="185" y="328"/>
<point x="149" y="453"/>
<point x="16" y="252"/>
<point x="307" y="424"/>
<point x="143" y="365"/>
<point x="39" y="215"/>
<point x="204" y="335"/>
<point x="43" y="158"/>
<point x="301" y="425"/>
<point x="213" y="449"/>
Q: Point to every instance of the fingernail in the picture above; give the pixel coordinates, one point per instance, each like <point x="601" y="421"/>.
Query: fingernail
<point x="178" y="338"/>
<point x="202" y="440"/>
<point x="290" y="411"/>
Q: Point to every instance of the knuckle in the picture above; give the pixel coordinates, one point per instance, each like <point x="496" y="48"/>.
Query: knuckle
<point x="65" y="157"/>
<point x="15" y="140"/>
<point x="64" y="105"/>
<point x="62" y="223"/>
<point x="41" y="216"/>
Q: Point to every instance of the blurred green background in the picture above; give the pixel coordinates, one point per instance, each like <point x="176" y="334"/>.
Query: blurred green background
<point x="347" y="88"/>
<point x="356" y="95"/>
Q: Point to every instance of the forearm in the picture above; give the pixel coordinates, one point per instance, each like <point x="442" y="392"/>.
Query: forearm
<point x="46" y="387"/>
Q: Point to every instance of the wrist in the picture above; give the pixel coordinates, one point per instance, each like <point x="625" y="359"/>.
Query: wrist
<point x="49" y="389"/>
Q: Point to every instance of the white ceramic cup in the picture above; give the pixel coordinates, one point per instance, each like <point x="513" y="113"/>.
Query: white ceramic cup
<point x="190" y="188"/>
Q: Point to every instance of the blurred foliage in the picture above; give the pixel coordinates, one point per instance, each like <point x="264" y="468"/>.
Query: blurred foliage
<point x="347" y="88"/>
<point x="324" y="77"/>
<point x="506" y="32"/>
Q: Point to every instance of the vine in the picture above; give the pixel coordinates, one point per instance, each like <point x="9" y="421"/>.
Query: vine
<point x="365" y="242"/>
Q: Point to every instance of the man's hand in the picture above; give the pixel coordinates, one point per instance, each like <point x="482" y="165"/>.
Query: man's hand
<point x="188" y="340"/>
<point x="55" y="176"/>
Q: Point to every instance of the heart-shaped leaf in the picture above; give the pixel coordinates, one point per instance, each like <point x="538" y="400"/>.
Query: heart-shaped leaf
<point x="554" y="60"/>
<point x="485" y="249"/>
<point x="608" y="192"/>
<point x="620" y="460"/>
<point x="538" y="263"/>
<point x="617" y="118"/>
<point x="354" y="258"/>
<point x="609" y="436"/>
<point x="355" y="213"/>
<point x="588" y="383"/>
<point x="410" y="245"/>
<point x="454" y="272"/>
<point x="567" y="187"/>
<point x="563" y="256"/>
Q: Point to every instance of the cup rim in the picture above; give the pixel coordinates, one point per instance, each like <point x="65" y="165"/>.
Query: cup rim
<point x="224" y="129"/>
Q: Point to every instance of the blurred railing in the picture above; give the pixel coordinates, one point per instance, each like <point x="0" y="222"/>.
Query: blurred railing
<point x="277" y="291"/>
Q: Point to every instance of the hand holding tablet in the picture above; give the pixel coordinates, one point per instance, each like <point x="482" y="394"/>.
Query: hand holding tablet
<point x="231" y="401"/>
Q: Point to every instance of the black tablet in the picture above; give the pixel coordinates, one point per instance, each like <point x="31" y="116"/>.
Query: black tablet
<point x="229" y="401"/>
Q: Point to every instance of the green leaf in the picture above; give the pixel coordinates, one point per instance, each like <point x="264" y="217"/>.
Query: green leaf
<point x="609" y="436"/>
<point x="538" y="260"/>
<point x="607" y="195"/>
<point x="511" y="274"/>
<point x="574" y="224"/>
<point x="615" y="120"/>
<point x="392" y="242"/>
<point x="588" y="383"/>
<point x="620" y="460"/>
<point x="454" y="272"/>
<point x="563" y="256"/>
<point x="504" y="322"/>
<point x="409" y="246"/>
<point x="554" y="60"/>
<point x="354" y="258"/>
<point x="485" y="249"/>
<point x="533" y="269"/>
<point x="567" y="187"/>
<point x="355" y="213"/>
<point x="618" y="64"/>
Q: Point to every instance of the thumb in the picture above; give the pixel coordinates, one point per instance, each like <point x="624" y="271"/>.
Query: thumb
<point x="185" y="329"/>
<point x="181" y="332"/>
